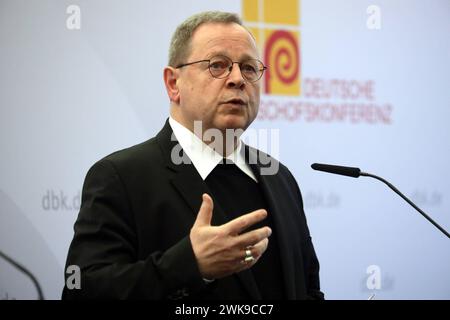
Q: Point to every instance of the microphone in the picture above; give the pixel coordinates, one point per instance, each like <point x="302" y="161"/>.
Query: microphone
<point x="356" y="173"/>
<point x="28" y="273"/>
<point x="345" y="171"/>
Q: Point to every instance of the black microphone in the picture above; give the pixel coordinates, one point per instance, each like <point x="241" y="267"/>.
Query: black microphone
<point x="28" y="273"/>
<point x="345" y="171"/>
<point x="356" y="173"/>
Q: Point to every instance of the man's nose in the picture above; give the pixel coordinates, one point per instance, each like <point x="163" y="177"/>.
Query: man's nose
<point x="235" y="78"/>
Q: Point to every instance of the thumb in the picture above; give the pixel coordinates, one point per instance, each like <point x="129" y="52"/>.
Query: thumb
<point x="204" y="215"/>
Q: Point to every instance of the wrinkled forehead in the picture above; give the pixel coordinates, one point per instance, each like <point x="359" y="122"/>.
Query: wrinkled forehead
<point x="229" y="39"/>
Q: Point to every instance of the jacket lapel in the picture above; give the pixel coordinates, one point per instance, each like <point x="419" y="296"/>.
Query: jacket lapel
<point x="191" y="186"/>
<point x="274" y="195"/>
<point x="184" y="177"/>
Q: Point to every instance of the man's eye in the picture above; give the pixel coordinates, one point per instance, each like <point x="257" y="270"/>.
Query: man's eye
<point x="249" y="68"/>
<point x="218" y="65"/>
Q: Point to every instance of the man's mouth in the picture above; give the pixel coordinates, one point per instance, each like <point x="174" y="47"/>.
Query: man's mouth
<point x="236" y="101"/>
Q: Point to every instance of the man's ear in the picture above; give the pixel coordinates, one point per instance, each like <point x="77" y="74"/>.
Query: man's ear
<point x="171" y="82"/>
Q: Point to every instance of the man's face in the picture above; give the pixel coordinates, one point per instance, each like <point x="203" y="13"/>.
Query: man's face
<point x="228" y="103"/>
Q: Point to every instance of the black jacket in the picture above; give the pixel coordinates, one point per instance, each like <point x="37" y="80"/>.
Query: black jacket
<point x="132" y="233"/>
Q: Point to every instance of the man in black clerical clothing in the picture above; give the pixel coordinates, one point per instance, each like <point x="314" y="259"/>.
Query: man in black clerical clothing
<point x="186" y="216"/>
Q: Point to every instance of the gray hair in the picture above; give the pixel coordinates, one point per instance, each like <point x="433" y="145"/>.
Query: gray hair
<point x="180" y="45"/>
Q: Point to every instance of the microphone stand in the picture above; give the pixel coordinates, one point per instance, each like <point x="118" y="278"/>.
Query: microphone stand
<point x="28" y="273"/>
<point x="356" y="173"/>
<point x="407" y="200"/>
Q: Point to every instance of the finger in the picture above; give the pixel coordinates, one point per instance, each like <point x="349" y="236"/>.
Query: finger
<point x="256" y="252"/>
<point x="238" y="225"/>
<point x="258" y="249"/>
<point x="252" y="237"/>
<point x="204" y="215"/>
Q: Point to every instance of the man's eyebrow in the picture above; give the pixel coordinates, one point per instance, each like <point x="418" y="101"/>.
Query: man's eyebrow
<point x="213" y="54"/>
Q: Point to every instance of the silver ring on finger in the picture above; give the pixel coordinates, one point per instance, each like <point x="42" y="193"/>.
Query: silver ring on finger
<point x="248" y="256"/>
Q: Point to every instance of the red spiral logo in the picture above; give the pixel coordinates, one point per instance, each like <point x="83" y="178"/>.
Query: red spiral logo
<point x="282" y="56"/>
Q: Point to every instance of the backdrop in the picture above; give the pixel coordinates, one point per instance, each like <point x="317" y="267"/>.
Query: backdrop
<point x="359" y="83"/>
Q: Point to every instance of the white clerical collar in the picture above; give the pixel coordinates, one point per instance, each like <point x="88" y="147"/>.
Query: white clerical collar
<point x="204" y="158"/>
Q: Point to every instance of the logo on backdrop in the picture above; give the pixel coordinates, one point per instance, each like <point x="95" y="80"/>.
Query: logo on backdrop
<point x="276" y="27"/>
<point x="321" y="199"/>
<point x="288" y="95"/>
<point x="59" y="200"/>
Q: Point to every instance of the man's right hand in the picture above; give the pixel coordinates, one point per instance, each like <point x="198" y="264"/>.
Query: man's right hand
<point x="220" y="250"/>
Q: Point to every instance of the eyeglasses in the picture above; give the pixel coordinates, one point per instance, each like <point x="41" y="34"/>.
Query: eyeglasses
<point x="220" y="67"/>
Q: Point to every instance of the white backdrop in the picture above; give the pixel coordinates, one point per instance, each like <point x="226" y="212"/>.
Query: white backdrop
<point x="71" y="96"/>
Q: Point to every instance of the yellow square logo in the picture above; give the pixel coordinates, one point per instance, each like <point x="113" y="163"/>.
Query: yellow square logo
<point x="276" y="27"/>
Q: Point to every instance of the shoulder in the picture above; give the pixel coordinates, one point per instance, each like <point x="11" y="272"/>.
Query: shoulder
<point x="147" y="151"/>
<point x="130" y="161"/>
<point x="149" y="154"/>
<point x="268" y="165"/>
<point x="143" y="159"/>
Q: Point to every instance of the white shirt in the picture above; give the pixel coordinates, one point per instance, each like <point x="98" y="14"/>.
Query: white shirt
<point x="204" y="158"/>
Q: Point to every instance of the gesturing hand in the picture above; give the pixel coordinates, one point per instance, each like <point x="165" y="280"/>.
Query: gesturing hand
<point x="220" y="250"/>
